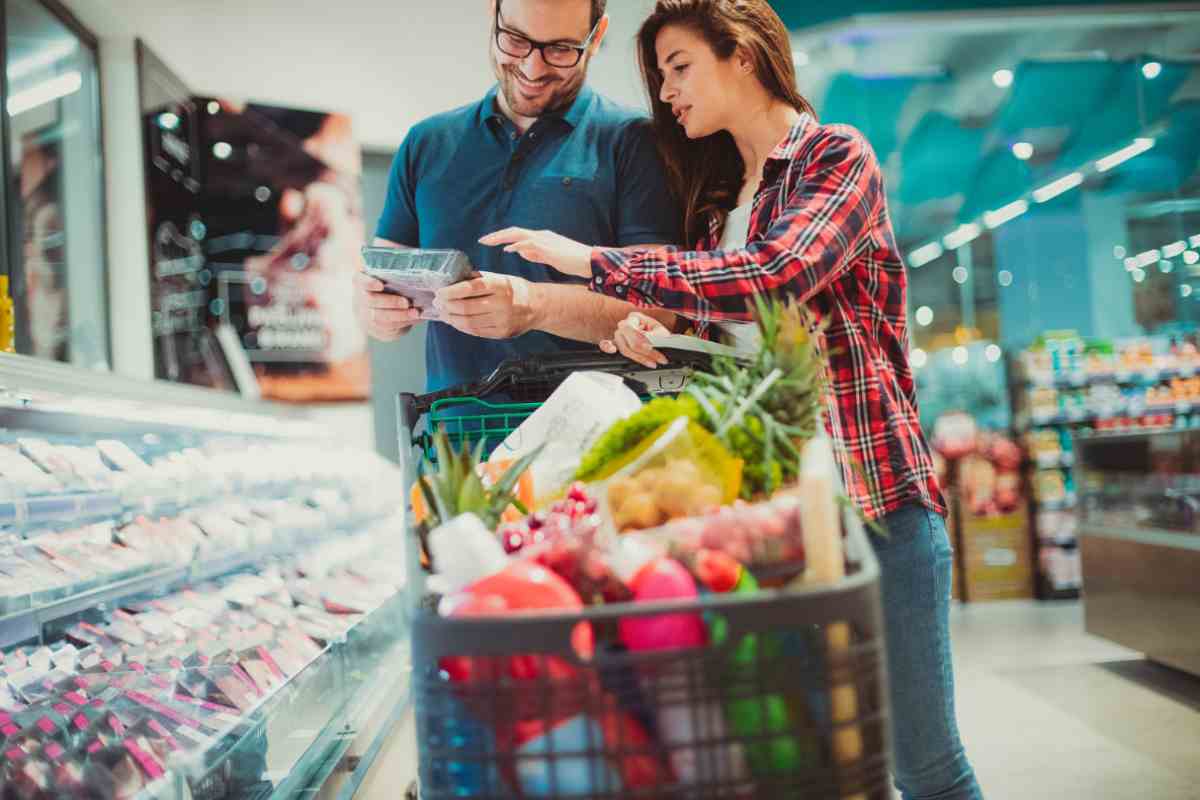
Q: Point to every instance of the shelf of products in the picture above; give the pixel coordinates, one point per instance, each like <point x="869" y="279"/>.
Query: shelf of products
<point x="194" y="612"/>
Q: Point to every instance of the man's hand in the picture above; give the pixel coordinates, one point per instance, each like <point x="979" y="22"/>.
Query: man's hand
<point x="384" y="316"/>
<point x="490" y="305"/>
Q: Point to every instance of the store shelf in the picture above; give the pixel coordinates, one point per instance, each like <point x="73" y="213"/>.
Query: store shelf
<point x="1152" y="536"/>
<point x="299" y="735"/>
<point x="1065" y="504"/>
<point x="26" y="624"/>
<point x="1121" y="377"/>
<point x="1054" y="461"/>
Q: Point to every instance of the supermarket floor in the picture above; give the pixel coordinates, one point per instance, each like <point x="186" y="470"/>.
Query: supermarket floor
<point x="1047" y="713"/>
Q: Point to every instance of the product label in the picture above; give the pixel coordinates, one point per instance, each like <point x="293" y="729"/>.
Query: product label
<point x="94" y="747"/>
<point x="47" y="725"/>
<point x="76" y="698"/>
<point x="54" y="751"/>
<point x="148" y="764"/>
<point x="163" y="733"/>
<point x="9" y="729"/>
<point x="62" y="708"/>
<point x="81" y="722"/>
<point x="154" y="705"/>
<point x="270" y="662"/>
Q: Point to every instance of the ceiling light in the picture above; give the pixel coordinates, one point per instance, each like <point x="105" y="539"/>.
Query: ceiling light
<point x="1055" y="188"/>
<point x="1147" y="258"/>
<point x="1138" y="147"/>
<point x="1195" y="240"/>
<point x="994" y="219"/>
<point x="1118" y="252"/>
<point x="1003" y="78"/>
<point x="1139" y="275"/>
<point x="924" y="316"/>
<point x="1174" y="248"/>
<point x="918" y="358"/>
<point x="1023" y="150"/>
<point x="48" y="91"/>
<point x="1131" y="263"/>
<point x="924" y="254"/>
<point x="222" y="150"/>
<point x="1004" y="278"/>
<point x="993" y="352"/>
<point x="214" y="107"/>
<point x="962" y="235"/>
<point x="168" y="121"/>
<point x="1190" y="257"/>
<point x="960" y="275"/>
<point x="1185" y="290"/>
<point x="1151" y="69"/>
<point x="1165" y="267"/>
<point x="960" y="355"/>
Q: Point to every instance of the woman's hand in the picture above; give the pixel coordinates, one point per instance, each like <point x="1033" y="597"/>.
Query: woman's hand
<point x="630" y="340"/>
<point x="544" y="247"/>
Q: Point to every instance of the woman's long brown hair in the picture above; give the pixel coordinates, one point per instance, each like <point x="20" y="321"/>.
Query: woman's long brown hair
<point x="706" y="174"/>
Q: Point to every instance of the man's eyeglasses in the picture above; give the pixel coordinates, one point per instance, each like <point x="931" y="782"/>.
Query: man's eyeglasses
<point x="556" y="54"/>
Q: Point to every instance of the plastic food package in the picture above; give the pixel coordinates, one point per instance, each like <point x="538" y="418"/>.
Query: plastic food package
<point x="681" y="470"/>
<point x="417" y="274"/>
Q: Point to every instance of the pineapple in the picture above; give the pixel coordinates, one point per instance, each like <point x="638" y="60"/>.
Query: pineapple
<point x="456" y="486"/>
<point x="765" y="411"/>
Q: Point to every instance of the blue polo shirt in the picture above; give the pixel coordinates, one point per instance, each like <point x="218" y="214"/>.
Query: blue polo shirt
<point x="591" y="173"/>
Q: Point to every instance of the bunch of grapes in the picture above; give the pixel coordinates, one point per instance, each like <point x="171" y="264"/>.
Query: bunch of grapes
<point x="562" y="539"/>
<point x="571" y="515"/>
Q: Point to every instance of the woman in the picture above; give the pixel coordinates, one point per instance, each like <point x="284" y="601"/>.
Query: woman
<point x="780" y="204"/>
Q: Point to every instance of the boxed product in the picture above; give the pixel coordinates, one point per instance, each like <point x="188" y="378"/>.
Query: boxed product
<point x="996" y="555"/>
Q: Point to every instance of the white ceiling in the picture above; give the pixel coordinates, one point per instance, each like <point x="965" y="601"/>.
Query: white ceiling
<point x="387" y="63"/>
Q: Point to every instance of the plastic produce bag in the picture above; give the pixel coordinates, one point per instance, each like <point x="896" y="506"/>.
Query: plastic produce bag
<point x="679" y="471"/>
<point x="417" y="274"/>
<point x="579" y="411"/>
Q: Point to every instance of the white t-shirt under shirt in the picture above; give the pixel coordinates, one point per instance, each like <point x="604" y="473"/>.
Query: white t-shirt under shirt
<point x="744" y="335"/>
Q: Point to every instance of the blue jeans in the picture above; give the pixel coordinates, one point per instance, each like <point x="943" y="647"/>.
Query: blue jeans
<point x="914" y="560"/>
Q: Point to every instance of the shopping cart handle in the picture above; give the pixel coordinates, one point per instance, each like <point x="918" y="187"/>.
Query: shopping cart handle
<point x="551" y="369"/>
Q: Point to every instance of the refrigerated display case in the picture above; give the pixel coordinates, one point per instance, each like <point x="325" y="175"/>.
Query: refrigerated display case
<point x="200" y="597"/>
<point x="1139" y="526"/>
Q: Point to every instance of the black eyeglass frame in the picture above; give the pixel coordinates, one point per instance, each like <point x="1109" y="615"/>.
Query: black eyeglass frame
<point x="579" y="49"/>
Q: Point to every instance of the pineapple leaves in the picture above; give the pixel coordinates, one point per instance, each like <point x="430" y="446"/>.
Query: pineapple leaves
<point x="454" y="485"/>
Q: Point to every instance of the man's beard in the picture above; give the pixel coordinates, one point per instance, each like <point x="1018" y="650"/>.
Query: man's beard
<point x="558" y="99"/>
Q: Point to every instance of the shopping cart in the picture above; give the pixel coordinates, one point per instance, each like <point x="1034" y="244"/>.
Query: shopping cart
<point x="788" y="701"/>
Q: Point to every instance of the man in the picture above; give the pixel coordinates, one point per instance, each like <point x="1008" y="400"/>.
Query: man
<point x="541" y="150"/>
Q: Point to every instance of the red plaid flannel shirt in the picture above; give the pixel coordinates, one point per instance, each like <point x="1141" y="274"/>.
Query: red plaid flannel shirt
<point x="819" y="232"/>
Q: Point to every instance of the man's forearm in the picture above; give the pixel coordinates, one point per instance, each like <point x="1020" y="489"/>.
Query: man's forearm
<point x="575" y="312"/>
